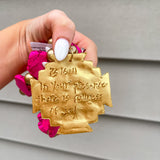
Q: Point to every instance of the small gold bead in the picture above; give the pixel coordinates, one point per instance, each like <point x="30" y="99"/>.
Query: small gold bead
<point x="50" y="41"/>
<point x="27" y="78"/>
<point x="50" y="55"/>
<point x="21" y="92"/>
<point x="73" y="50"/>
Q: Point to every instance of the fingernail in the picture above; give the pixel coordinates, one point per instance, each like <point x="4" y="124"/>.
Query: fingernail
<point x="61" y="49"/>
<point x="44" y="63"/>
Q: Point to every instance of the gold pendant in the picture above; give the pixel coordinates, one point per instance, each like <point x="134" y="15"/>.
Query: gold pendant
<point x="71" y="93"/>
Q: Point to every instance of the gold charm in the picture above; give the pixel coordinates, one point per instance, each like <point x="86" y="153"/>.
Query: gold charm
<point x="71" y="94"/>
<point x="50" y="41"/>
<point x="28" y="78"/>
<point x="50" y="55"/>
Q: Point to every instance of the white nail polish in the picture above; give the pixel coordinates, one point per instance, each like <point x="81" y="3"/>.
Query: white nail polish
<point x="44" y="63"/>
<point x="61" y="49"/>
<point x="47" y="49"/>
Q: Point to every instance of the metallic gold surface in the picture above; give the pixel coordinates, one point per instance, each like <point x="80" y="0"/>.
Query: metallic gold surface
<point x="27" y="78"/>
<point x="71" y="94"/>
<point x="50" y="55"/>
<point x="50" y="41"/>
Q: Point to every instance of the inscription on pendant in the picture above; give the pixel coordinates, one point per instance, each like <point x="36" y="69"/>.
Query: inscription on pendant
<point x="62" y="71"/>
<point x="71" y="94"/>
<point x="66" y="112"/>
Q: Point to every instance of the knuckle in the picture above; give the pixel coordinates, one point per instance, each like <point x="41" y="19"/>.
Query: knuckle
<point x="61" y="18"/>
<point x="72" y="25"/>
<point x="67" y="23"/>
<point x="58" y="12"/>
<point x="55" y="14"/>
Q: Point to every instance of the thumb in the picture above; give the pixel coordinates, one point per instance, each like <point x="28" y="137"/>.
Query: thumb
<point x="63" y="31"/>
<point x="57" y="25"/>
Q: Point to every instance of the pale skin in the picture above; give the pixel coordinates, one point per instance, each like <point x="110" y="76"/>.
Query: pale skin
<point x="15" y="41"/>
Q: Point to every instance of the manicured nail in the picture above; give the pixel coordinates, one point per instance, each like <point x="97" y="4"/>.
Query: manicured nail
<point x="61" y="49"/>
<point x="44" y="63"/>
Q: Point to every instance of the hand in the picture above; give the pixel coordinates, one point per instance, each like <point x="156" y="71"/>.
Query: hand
<point x="54" y="24"/>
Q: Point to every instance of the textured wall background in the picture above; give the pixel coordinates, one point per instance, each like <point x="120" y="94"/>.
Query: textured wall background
<point x="127" y="34"/>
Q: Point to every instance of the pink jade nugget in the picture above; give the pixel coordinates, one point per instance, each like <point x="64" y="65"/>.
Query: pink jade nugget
<point x="34" y="65"/>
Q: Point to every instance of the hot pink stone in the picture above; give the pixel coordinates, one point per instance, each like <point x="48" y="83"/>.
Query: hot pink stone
<point x="53" y="131"/>
<point x="20" y="82"/>
<point x="44" y="126"/>
<point x="35" y="62"/>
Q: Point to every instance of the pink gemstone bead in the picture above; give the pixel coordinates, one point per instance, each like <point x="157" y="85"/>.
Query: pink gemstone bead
<point x="20" y="82"/>
<point x="35" y="62"/>
<point x="44" y="126"/>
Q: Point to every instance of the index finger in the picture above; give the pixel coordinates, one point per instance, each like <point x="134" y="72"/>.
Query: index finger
<point x="84" y="42"/>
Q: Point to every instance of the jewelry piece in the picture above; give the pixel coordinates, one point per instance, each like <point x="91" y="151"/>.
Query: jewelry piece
<point x="73" y="50"/>
<point x="50" y="41"/>
<point x="27" y="78"/>
<point x="69" y="94"/>
<point x="83" y="50"/>
<point x="50" y="54"/>
<point x="36" y="61"/>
